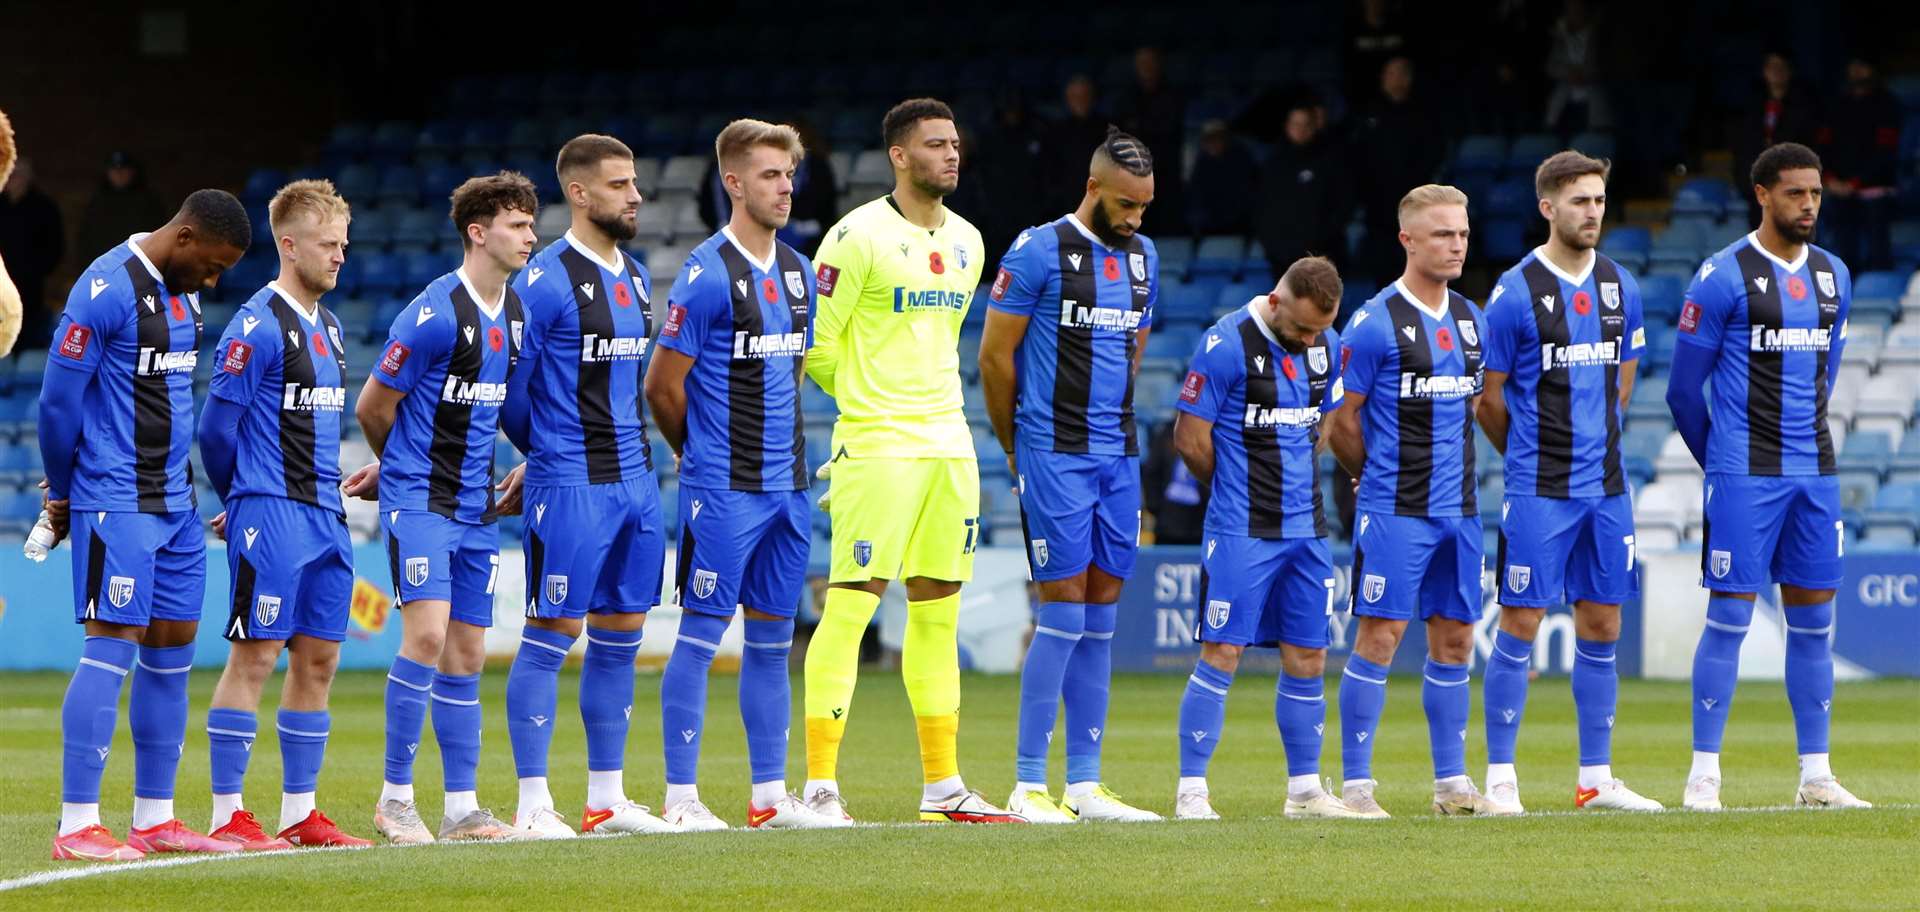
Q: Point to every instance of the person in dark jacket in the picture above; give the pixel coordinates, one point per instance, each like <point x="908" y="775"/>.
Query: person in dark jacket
<point x="32" y="241"/>
<point x="1398" y="145"/>
<point x="1306" y="194"/>
<point x="1220" y="199"/>
<point x="1781" y="111"/>
<point x="1860" y="146"/>
<point x="122" y="205"/>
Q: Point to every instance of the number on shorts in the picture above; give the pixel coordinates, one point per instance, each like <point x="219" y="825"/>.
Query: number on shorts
<point x="1840" y="537"/>
<point x="973" y="535"/>
<point x="1628" y="540"/>
<point x="1329" y="584"/>
<point x="493" y="571"/>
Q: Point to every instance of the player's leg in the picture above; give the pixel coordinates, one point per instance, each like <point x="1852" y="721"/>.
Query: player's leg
<point x="869" y="531"/>
<point x="1599" y="578"/>
<point x="1743" y="518"/>
<point x="563" y="542"/>
<point x="89" y="713"/>
<point x="1236" y="574"/>
<point x="157" y="699"/>
<point x="456" y="710"/>
<point x="1058" y="496"/>
<point x="1388" y="558"/>
<point x="1450" y="603"/>
<point x="1089" y="679"/>
<point x="1297" y="611"/>
<point x="323" y="605"/>
<point x="1807" y="564"/>
<point x="1537" y="535"/>
<point x="263" y="583"/>
<point x="716" y="545"/>
<point x="419" y="556"/>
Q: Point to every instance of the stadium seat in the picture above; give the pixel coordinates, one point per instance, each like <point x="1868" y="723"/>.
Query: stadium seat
<point x="1528" y="151"/>
<point x="1594" y="145"/>
<point x="680" y="179"/>
<point x="1175" y="255"/>
<point x="1675" y="459"/>
<point x="1512" y="198"/>
<point x="1480" y="154"/>
<point x="871" y="168"/>
<point x="1702" y="196"/>
<point x="1880" y="284"/>
<point x="1661" y="296"/>
<point x="1902" y="346"/>
<point x="421" y="230"/>
<point x="1666" y="504"/>
<point x="422" y="268"/>
<point x="1505" y="238"/>
<point x="1627" y="240"/>
<point x="1868" y="450"/>
<point x="554" y="222"/>
<point x="1218" y="257"/>
<point x="1884" y="404"/>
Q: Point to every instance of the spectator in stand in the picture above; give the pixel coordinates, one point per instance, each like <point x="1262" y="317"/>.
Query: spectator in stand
<point x="1007" y="159"/>
<point x="1156" y="113"/>
<point x="1064" y="145"/>
<point x="1219" y="201"/>
<point x="1860" y="145"/>
<point x="1376" y="34"/>
<point x="122" y="205"/>
<point x="1306" y="194"/>
<point x="32" y="241"/>
<point x="1397" y="145"/>
<point x="1175" y="502"/>
<point x="1783" y="111"/>
<point x="1578" y="100"/>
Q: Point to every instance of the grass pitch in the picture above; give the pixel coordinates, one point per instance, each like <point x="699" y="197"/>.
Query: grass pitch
<point x="1759" y="856"/>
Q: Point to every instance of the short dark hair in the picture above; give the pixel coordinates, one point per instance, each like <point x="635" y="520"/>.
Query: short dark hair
<point x="1563" y="168"/>
<point x="902" y="118"/>
<point x="1786" y="156"/>
<point x="1316" y="279"/>
<point x="218" y="215"/>
<point x="1126" y="151"/>
<point x="586" y="151"/>
<point x="482" y="198"/>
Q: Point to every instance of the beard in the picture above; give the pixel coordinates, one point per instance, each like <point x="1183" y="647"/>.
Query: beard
<point x="617" y="225"/>
<point x="934" y="185"/>
<point x="318" y="280"/>
<point x="1102" y="227"/>
<point x="1791" y="230"/>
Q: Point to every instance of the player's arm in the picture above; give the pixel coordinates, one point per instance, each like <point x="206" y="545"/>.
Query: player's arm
<point x="1145" y="329"/>
<point x="417" y="338"/>
<point x="840" y="274"/>
<point x="1636" y="336"/>
<point x="236" y="380"/>
<point x="1491" y="409"/>
<point x="1703" y="320"/>
<point x="86" y="328"/>
<point x="1501" y="330"/>
<point x="697" y="297"/>
<point x="1360" y="357"/>
<point x="516" y="413"/>
<point x="1016" y="289"/>
<point x="1210" y="375"/>
<point x="378" y="406"/>
<point x="1838" y="344"/>
<point x="1193" y="439"/>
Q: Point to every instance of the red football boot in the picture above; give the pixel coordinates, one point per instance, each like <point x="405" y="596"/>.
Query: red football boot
<point x="317" y="830"/>
<point x="173" y="836"/>
<point x="93" y="843"/>
<point x="243" y="830"/>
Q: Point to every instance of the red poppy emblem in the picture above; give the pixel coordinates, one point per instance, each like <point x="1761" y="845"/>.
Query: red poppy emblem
<point x="1286" y="367"/>
<point x="621" y="295"/>
<point x="769" y="290"/>
<point x="1444" y="336"/>
<point x="1582" y="303"/>
<point x="1111" y="268"/>
<point x="179" y="312"/>
<point x="1797" y="287"/>
<point x="319" y="344"/>
<point x="495" y="338"/>
<point x="934" y="263"/>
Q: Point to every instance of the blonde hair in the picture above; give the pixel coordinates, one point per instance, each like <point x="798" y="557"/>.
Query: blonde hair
<point x="306" y="196"/>
<point x="1427" y="196"/>
<point x="7" y="154"/>
<point x="745" y="133"/>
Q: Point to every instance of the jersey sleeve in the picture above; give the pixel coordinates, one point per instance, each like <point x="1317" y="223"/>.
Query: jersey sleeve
<point x="1703" y="318"/>
<point x="1212" y="372"/>
<point x="1022" y="278"/>
<point x="1337" y="390"/>
<point x="90" y="322"/>
<point x="419" y="335"/>
<point x="1361" y="352"/>
<point x="813" y="297"/>
<point x="1503" y="325"/>
<point x="840" y="276"/>
<point x="1636" y="331"/>
<point x="242" y="358"/>
<point x="698" y="295"/>
<point x="1153" y="286"/>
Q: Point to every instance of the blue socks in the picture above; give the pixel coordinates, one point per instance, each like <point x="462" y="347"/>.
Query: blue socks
<point x="1057" y="629"/>
<point x="1363" y="698"/>
<point x="533" y="697"/>
<point x="1087" y="688"/>
<point x="683" y="693"/>
<point x="1300" y="709"/>
<point x="1810" y="673"/>
<point x="230" y="735"/>
<point x="408" y="684"/>
<point x="1504" y="691"/>
<point x="1716" y="665"/>
<point x="303" y="745"/>
<point x="606" y="695"/>
<point x="89" y="715"/>
<point x="1203" y="710"/>
<point x="157" y="714"/>
<point x="1596" y="694"/>
<point x="766" y="696"/>
<point x="456" y="727"/>
<point x="1445" y="696"/>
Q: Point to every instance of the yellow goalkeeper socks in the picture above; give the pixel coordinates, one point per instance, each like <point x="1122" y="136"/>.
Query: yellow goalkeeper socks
<point x="930" y="664"/>
<point x="833" y="662"/>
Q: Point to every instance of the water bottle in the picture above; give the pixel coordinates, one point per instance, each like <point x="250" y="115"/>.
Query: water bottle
<point x="40" y="540"/>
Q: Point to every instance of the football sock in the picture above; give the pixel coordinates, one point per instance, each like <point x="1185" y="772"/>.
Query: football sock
<point x="1203" y="707"/>
<point x="1592" y="777"/>
<point x="1303" y="786"/>
<point x="1716" y="665"/>
<point x="151" y="812"/>
<point x="1300" y="710"/>
<point x="408" y="684"/>
<point x="683" y="693"/>
<point x="1363" y="698"/>
<point x="1596" y="695"/>
<point x="1810" y="673"/>
<point x="157" y="714"/>
<point x="833" y="659"/>
<point x="76" y="816"/>
<point x="303" y="749"/>
<point x="605" y="788"/>
<point x="766" y="703"/>
<point x="1504" y="691"/>
<point x="1447" y="700"/>
<point x="1498" y="773"/>
<point x="1087" y="690"/>
<point x="1814" y="766"/>
<point x="534" y="795"/>
<point x="767" y="794"/>
<point x="456" y="726"/>
<point x="294" y="808"/>
<point x="1192" y="784"/>
<point x="930" y="665"/>
<point x="224" y="807"/>
<point x="679" y="792"/>
<point x="1057" y="628"/>
<point x="88" y="716"/>
<point x="460" y="803"/>
<point x="606" y="695"/>
<point x="230" y="736"/>
<point x="1705" y="763"/>
<point x="533" y="685"/>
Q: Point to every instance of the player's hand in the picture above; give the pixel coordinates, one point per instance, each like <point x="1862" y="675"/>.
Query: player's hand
<point x="509" y="488"/>
<point x="219" y="524"/>
<point x="57" y="514"/>
<point x="363" y="483"/>
<point x="1013" y="468"/>
<point x="825" y="473"/>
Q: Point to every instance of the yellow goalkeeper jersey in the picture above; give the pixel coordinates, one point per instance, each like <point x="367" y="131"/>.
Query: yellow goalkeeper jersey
<point x="886" y="339"/>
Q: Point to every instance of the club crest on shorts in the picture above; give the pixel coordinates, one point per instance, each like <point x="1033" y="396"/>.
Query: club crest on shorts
<point x="416" y="571"/>
<point x="703" y="583"/>
<point x="862" y="552"/>
<point x="556" y="588"/>
<point x="120" y="591"/>
<point x="266" y="609"/>
<point x="1137" y="264"/>
<point x="1217" y="611"/>
<point x="1040" y="551"/>
<point x="1610" y="295"/>
<point x="1722" y="563"/>
<point x="1825" y="279"/>
<point x="1373" y="587"/>
<point x="1518" y="576"/>
<point x="796" y="284"/>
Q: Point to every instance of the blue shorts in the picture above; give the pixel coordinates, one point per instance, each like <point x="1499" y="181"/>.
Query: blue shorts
<point x="1079" y="509"/>
<point x="1555" y="550"/>
<point x="1784" y="527"/>
<point x="435" y="558"/>
<point x="135" y="568"/>
<point x="292" y="570"/>
<point x="608" y="538"/>
<point x="1265" y="591"/>
<point x="1414" y="567"/>
<point x="742" y="548"/>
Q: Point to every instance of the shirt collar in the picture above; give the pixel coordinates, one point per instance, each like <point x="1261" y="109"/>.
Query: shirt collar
<point x="492" y="311"/>
<point x="616" y="267"/>
<point x="762" y="265"/>
<point x="1074" y="220"/>
<point x="133" y="245"/>
<point x="1400" y="285"/>
<point x="1753" y="239"/>
<point x="1260" y="322"/>
<point x="311" y="317"/>
<point x="1593" y="256"/>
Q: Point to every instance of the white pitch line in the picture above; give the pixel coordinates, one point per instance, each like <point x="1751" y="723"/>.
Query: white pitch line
<point x="85" y="870"/>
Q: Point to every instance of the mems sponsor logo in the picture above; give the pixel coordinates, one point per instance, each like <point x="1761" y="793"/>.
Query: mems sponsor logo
<point x="298" y="398"/>
<point x="597" y="348"/>
<point x="1790" y="339"/>
<point x="771" y="345"/>
<point x="1074" y="313"/>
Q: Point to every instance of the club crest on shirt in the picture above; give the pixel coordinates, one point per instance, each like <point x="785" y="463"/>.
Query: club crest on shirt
<point x="1040" y="552"/>
<point x="1470" y="331"/>
<point x="1518" y="576"/>
<point x="960" y="255"/>
<point x="266" y="609"/>
<point x="416" y="571"/>
<point x="862" y="552"/>
<point x="1373" y="587"/>
<point x="1317" y="359"/>
<point x="556" y="589"/>
<point x="1722" y="563"/>
<point x="796" y="284"/>
<point x="640" y="288"/>
<point x="120" y="591"/>
<point x="1217" y="611"/>
<point x="1825" y="280"/>
<point x="1137" y="264"/>
<point x="704" y="582"/>
<point x="1610" y="295"/>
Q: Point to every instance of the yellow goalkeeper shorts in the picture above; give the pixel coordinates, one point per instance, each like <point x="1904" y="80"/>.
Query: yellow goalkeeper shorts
<point x="896" y="518"/>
